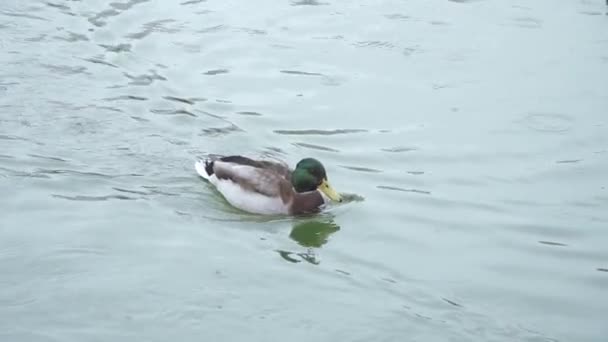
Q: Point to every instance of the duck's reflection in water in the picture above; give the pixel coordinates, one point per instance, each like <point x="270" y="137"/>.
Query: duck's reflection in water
<point x="311" y="234"/>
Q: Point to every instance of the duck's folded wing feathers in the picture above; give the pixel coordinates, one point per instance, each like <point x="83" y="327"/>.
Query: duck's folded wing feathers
<point x="282" y="169"/>
<point x="261" y="180"/>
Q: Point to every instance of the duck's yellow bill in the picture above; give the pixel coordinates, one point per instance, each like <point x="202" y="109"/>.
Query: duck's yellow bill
<point x="329" y="191"/>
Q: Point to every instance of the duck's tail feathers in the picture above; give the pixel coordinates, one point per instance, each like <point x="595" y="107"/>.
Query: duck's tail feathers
<point x="204" y="168"/>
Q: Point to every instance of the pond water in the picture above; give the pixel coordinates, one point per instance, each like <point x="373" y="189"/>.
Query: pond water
<point x="471" y="138"/>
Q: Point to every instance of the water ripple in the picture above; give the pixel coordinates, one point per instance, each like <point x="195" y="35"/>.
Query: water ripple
<point x="48" y="158"/>
<point x="145" y="79"/>
<point x="116" y="48"/>
<point x="73" y="37"/>
<point x="22" y="15"/>
<point x="18" y="138"/>
<point x="551" y="243"/>
<point x="251" y="31"/>
<point x="99" y="60"/>
<point x="374" y="44"/>
<point x="172" y="112"/>
<point x="411" y="50"/>
<point x="80" y="251"/>
<point x="66" y="70"/>
<point x="117" y="9"/>
<point x="216" y="72"/>
<point x="568" y="161"/>
<point x="451" y="302"/>
<point x="395" y="188"/>
<point x="464" y="1"/>
<point x="316" y="147"/>
<point x="212" y="29"/>
<point x="59" y="6"/>
<point x="300" y="73"/>
<point x="152" y="27"/>
<point x="361" y="169"/>
<point x="399" y="149"/>
<point x="276" y="60"/>
<point x="308" y="3"/>
<point x="318" y="131"/>
<point x="527" y="22"/>
<point x="154" y="190"/>
<point x="139" y="119"/>
<point x="220" y="131"/>
<point x="135" y="192"/>
<point x="126" y="5"/>
<point x="249" y="113"/>
<point x="192" y="2"/>
<point x="95" y="198"/>
<point x="397" y="16"/>
<point x="126" y="97"/>
<point x="190" y="101"/>
<point x="83" y="173"/>
<point x="18" y="173"/>
<point x="97" y="19"/>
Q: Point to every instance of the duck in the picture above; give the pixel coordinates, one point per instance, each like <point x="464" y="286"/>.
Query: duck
<point x="268" y="187"/>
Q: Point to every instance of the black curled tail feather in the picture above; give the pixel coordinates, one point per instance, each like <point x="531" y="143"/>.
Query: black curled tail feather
<point x="209" y="167"/>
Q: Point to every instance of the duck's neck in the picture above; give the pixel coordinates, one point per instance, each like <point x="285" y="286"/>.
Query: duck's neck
<point x="307" y="202"/>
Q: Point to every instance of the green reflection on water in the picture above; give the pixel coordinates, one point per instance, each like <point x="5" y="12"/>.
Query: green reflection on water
<point x="313" y="233"/>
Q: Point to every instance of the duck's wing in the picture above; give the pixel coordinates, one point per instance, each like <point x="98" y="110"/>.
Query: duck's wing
<point x="251" y="177"/>
<point x="281" y="168"/>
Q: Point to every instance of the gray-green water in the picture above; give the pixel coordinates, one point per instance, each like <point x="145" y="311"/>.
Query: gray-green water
<point x="471" y="135"/>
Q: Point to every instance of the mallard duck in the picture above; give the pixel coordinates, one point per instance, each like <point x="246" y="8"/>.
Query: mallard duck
<point x="269" y="188"/>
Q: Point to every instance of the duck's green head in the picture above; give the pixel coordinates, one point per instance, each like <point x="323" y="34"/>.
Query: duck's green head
<point x="309" y="175"/>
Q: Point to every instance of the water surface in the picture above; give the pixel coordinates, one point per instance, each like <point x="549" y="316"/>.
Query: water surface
<point x="470" y="136"/>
